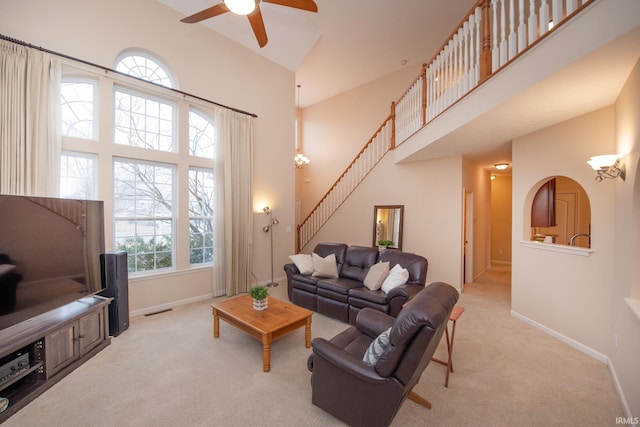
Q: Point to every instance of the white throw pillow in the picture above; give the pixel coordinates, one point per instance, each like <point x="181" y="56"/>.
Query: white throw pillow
<point x="376" y="275"/>
<point x="397" y="276"/>
<point x="325" y="267"/>
<point x="304" y="262"/>
<point x="376" y="348"/>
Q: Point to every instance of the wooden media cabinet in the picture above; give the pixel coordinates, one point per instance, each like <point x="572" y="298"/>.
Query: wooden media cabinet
<point x="56" y="343"/>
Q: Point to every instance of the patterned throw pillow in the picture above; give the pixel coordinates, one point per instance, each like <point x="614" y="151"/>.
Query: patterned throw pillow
<point x="376" y="348"/>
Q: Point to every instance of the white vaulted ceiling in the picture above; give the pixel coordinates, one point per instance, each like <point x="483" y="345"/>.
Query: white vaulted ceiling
<point x="347" y="43"/>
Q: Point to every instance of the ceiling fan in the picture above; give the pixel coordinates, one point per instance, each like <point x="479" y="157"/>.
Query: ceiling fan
<point x="250" y="9"/>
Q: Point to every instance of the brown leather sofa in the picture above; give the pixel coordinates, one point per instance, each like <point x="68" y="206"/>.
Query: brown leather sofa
<point x="343" y="297"/>
<point x="369" y="393"/>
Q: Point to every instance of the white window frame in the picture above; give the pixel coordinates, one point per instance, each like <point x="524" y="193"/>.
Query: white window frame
<point x="106" y="151"/>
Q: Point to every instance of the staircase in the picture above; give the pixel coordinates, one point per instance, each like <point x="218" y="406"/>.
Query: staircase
<point x="492" y="35"/>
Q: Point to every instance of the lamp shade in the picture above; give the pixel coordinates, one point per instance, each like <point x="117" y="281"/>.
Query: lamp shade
<point x="602" y="162"/>
<point x="241" y="7"/>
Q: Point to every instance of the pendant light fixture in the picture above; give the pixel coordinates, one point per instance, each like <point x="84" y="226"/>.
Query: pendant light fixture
<point x="300" y="159"/>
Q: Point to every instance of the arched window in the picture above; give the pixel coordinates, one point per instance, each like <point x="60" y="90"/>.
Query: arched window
<point x="145" y="67"/>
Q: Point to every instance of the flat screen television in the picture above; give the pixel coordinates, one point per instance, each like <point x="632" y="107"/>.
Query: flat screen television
<point x="49" y="254"/>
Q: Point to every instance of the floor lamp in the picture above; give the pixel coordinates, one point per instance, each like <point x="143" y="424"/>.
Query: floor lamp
<point x="269" y="229"/>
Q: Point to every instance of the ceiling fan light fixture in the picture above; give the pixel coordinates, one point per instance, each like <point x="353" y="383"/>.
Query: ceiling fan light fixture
<point x="241" y="7"/>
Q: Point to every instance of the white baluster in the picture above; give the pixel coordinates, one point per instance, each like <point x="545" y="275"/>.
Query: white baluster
<point x="432" y="71"/>
<point x="467" y="62"/>
<point x="503" y="34"/>
<point x="513" y="39"/>
<point x="460" y="67"/>
<point x="544" y="17"/>
<point x="478" y="43"/>
<point x="522" y="28"/>
<point x="472" y="50"/>
<point x="454" y="68"/>
<point x="533" y="22"/>
<point x="556" y="10"/>
<point x="495" y="53"/>
<point x="450" y="81"/>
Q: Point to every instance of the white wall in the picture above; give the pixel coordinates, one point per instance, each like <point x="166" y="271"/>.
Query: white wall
<point x="625" y="342"/>
<point x="568" y="293"/>
<point x="431" y="193"/>
<point x="204" y="64"/>
<point x="335" y="130"/>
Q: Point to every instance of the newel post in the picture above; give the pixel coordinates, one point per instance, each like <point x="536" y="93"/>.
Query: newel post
<point x="485" y="54"/>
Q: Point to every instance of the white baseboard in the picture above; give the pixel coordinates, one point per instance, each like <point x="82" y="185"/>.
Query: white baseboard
<point x="616" y="383"/>
<point x="573" y="343"/>
<point x="169" y="305"/>
<point x="587" y="350"/>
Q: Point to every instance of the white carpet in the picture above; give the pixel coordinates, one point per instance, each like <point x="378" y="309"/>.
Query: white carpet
<point x="168" y="370"/>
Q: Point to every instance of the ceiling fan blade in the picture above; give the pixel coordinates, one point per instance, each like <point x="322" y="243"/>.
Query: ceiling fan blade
<point x="216" y="10"/>
<point x="308" y="5"/>
<point x="257" y="25"/>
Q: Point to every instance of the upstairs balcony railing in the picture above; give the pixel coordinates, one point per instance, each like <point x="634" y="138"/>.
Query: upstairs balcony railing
<point x="490" y="36"/>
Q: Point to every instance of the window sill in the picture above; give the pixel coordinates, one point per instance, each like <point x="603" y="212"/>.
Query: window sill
<point x="574" y="250"/>
<point x="634" y="305"/>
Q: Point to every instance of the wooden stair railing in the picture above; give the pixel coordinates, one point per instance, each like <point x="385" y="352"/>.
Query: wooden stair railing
<point x="369" y="156"/>
<point x="491" y="35"/>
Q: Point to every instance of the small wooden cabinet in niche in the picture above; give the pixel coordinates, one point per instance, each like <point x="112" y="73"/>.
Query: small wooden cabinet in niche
<point x="561" y="213"/>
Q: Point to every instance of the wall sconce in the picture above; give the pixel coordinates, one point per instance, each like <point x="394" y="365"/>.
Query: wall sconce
<point x="269" y="229"/>
<point x="608" y="166"/>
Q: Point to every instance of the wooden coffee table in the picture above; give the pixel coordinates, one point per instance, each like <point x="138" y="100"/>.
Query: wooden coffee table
<point x="268" y="325"/>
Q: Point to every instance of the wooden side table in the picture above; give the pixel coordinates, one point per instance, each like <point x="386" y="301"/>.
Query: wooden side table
<point x="453" y="317"/>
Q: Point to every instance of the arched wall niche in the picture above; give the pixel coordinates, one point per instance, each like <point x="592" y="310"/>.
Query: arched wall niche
<point x="560" y="213"/>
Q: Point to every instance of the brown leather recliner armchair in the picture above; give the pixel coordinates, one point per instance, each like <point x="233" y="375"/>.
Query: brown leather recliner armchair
<point x="363" y="395"/>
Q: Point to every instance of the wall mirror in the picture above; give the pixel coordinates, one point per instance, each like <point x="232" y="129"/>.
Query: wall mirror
<point x="387" y="226"/>
<point x="561" y="213"/>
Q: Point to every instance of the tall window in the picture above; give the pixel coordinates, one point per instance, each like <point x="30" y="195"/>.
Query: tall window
<point x="143" y="200"/>
<point x="78" y="105"/>
<point x="201" y="135"/>
<point x="145" y="169"/>
<point x="77" y="102"/>
<point x="144" y="121"/>
<point x="78" y="178"/>
<point x="201" y="144"/>
<point x="200" y="215"/>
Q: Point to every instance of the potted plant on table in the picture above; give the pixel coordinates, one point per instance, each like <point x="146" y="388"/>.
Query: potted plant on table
<point x="384" y="244"/>
<point x="259" y="294"/>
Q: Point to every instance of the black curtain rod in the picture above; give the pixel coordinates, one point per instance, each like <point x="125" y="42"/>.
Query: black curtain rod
<point x="82" y="61"/>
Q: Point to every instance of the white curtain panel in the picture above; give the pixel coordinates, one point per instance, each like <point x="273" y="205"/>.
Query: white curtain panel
<point x="234" y="201"/>
<point x="29" y="121"/>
